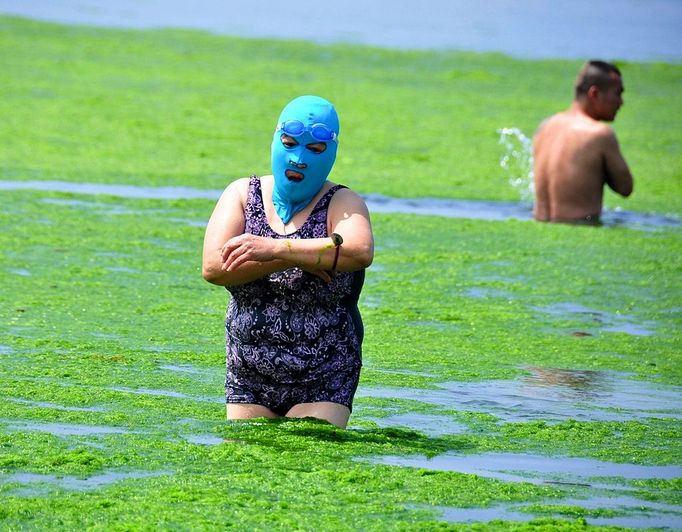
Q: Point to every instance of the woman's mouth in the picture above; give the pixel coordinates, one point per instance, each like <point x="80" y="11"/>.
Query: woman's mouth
<point x="292" y="175"/>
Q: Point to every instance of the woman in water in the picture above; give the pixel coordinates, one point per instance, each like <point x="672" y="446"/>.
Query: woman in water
<point x="292" y="248"/>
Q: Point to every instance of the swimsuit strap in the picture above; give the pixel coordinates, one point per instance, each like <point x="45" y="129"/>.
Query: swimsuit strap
<point x="255" y="220"/>
<point x="323" y="203"/>
<point x="256" y="205"/>
<point x="255" y="198"/>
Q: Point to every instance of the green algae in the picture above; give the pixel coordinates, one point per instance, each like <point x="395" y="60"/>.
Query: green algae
<point x="190" y="108"/>
<point x="102" y="297"/>
<point x="668" y="491"/>
<point x="571" y="511"/>
<point x="164" y="317"/>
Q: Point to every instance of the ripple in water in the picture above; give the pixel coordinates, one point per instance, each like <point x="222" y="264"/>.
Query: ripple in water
<point x="551" y="395"/>
<point x="610" y="491"/>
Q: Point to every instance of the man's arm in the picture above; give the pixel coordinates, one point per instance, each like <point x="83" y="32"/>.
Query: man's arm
<point x="618" y="176"/>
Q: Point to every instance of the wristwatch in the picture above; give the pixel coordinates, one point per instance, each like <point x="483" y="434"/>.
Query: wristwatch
<point x="338" y="240"/>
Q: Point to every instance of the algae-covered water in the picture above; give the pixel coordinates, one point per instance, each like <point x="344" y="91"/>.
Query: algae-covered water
<point x="516" y="374"/>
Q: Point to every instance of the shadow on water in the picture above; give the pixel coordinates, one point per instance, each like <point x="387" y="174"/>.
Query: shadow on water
<point x="548" y="394"/>
<point x="451" y="208"/>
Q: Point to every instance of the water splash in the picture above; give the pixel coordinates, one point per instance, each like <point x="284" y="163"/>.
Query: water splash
<point x="517" y="161"/>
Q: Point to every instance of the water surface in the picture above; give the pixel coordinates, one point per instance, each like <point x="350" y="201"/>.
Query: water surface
<point x="56" y="406"/>
<point x="451" y="208"/>
<point x="204" y="439"/>
<point x="76" y="483"/>
<point x="632" y="513"/>
<point x="548" y="394"/>
<point x="167" y="393"/>
<point x="576" y="29"/>
<point x="65" y="429"/>
<point x="599" y="319"/>
<point x="593" y="483"/>
<point x="536" y="469"/>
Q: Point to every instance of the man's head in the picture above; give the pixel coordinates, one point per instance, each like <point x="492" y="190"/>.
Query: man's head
<point x="599" y="89"/>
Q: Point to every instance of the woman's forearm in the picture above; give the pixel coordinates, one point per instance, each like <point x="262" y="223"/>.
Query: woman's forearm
<point x="246" y="272"/>
<point x="307" y="253"/>
<point x="323" y="254"/>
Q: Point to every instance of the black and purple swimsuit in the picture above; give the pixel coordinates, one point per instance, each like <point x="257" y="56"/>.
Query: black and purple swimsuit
<point x="291" y="337"/>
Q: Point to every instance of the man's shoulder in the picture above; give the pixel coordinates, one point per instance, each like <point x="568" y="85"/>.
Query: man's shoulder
<point x="581" y="123"/>
<point x="561" y="121"/>
<point x="595" y="132"/>
<point x="556" y="117"/>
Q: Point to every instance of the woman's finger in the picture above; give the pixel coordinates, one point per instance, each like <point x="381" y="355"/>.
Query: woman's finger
<point x="230" y="246"/>
<point x="236" y="259"/>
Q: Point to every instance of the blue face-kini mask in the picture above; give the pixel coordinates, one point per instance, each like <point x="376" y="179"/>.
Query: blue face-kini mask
<point x="308" y="120"/>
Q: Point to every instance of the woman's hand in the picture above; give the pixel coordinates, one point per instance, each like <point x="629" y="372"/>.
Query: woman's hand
<point x="252" y="248"/>
<point x="244" y="248"/>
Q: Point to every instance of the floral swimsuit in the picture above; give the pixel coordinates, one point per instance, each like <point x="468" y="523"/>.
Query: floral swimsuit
<point x="291" y="337"/>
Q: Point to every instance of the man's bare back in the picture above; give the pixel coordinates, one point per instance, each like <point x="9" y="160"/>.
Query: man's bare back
<point x="575" y="155"/>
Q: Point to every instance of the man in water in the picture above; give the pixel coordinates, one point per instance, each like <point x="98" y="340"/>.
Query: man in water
<point x="575" y="153"/>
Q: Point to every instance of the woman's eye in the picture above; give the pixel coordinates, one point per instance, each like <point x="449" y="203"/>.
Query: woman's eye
<point x="317" y="147"/>
<point x="288" y="141"/>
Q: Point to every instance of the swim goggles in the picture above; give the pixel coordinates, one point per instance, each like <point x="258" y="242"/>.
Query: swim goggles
<point x="296" y="128"/>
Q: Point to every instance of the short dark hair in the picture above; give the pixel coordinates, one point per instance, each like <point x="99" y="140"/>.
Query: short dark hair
<point x="599" y="73"/>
